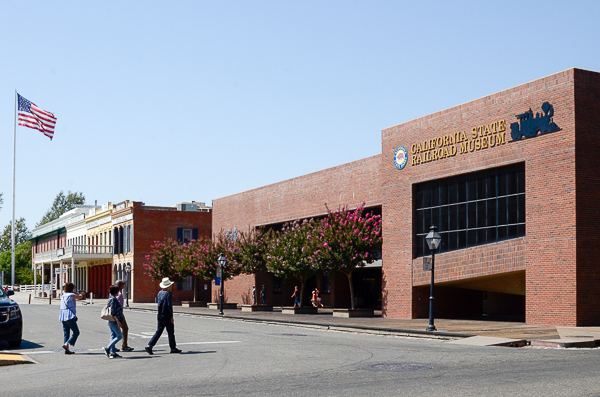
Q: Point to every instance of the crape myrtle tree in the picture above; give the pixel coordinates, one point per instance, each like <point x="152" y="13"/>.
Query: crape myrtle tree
<point x="349" y="239"/>
<point x="252" y="249"/>
<point x="291" y="252"/>
<point x="165" y="260"/>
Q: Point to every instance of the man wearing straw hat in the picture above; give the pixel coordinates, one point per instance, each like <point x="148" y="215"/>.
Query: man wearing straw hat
<point x="164" y="317"/>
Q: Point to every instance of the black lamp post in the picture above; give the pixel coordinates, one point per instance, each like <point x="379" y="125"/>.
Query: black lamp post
<point x="222" y="262"/>
<point x="433" y="241"/>
<point x="127" y="273"/>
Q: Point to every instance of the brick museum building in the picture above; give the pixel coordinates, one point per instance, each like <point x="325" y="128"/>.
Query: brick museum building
<point x="510" y="181"/>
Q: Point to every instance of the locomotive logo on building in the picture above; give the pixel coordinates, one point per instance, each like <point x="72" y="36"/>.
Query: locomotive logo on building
<point x="400" y="157"/>
<point x="529" y="126"/>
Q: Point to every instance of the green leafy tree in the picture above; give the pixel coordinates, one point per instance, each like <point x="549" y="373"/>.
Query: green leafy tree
<point x="291" y="252"/>
<point x="349" y="239"/>
<point x="61" y="205"/>
<point x="23" y="272"/>
<point x="21" y="234"/>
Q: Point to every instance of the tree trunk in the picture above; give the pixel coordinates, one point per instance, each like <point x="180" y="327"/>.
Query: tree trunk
<point x="195" y="281"/>
<point x="351" y="289"/>
<point x="302" y="283"/>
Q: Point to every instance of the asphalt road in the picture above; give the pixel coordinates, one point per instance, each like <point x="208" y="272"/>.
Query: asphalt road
<point x="230" y="358"/>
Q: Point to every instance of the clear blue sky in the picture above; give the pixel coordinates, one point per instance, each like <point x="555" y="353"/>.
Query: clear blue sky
<point x="164" y="102"/>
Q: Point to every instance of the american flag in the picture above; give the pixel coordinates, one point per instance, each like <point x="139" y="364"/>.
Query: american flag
<point x="33" y="117"/>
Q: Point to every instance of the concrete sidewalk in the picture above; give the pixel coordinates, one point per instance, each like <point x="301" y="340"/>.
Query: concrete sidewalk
<point x="446" y="328"/>
<point x="488" y="332"/>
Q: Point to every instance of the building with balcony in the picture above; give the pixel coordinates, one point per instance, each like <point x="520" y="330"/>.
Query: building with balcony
<point x="61" y="252"/>
<point x="135" y="228"/>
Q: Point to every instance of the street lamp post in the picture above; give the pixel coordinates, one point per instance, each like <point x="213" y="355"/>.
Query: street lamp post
<point x="433" y="240"/>
<point x="222" y="262"/>
<point x="127" y="273"/>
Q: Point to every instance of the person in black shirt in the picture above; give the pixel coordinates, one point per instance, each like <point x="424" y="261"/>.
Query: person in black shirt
<point x="165" y="318"/>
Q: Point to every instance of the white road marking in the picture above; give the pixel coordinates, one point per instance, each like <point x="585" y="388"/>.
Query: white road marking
<point x="28" y="353"/>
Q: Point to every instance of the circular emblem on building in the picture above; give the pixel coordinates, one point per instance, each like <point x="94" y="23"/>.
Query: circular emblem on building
<point x="400" y="157"/>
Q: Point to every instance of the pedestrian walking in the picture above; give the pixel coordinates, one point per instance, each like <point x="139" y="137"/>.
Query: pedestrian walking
<point x="313" y="299"/>
<point x="124" y="325"/>
<point x="296" y="296"/>
<point x="254" y="295"/>
<point x="263" y="295"/>
<point x="318" y="295"/>
<point x="164" y="317"/>
<point x="68" y="317"/>
<point x="116" y="311"/>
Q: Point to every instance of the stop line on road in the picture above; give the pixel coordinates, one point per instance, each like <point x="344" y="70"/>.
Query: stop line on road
<point x="101" y="349"/>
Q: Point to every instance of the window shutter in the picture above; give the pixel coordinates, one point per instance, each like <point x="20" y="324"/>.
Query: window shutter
<point x="130" y="238"/>
<point x="180" y="235"/>
<point x="195" y="234"/>
<point x="115" y="241"/>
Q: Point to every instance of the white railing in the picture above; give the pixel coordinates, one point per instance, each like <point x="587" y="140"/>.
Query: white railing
<point x="91" y="249"/>
<point x="74" y="251"/>
<point x="35" y="288"/>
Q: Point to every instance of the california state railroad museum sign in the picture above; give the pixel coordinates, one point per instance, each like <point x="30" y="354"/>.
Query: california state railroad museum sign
<point x="482" y="137"/>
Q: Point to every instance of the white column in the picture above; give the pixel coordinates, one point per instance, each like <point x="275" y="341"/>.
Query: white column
<point x="43" y="269"/>
<point x="35" y="279"/>
<point x="72" y="269"/>
<point x="59" y="279"/>
<point x="51" y="274"/>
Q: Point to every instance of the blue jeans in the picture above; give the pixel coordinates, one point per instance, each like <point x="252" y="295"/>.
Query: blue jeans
<point x="115" y="335"/>
<point x="68" y="326"/>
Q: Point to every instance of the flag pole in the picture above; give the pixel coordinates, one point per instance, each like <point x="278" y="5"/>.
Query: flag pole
<point x="12" y="236"/>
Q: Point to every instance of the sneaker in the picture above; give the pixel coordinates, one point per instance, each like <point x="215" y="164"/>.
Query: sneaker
<point x="175" y="350"/>
<point x="66" y="347"/>
<point x="117" y="349"/>
<point x="149" y="350"/>
<point x="69" y="352"/>
<point x="127" y="349"/>
<point x="114" y="355"/>
<point x="106" y="351"/>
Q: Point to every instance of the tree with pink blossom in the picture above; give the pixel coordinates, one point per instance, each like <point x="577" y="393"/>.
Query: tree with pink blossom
<point x="348" y="239"/>
<point x="252" y="249"/>
<point x="290" y="252"/>
<point x="164" y="260"/>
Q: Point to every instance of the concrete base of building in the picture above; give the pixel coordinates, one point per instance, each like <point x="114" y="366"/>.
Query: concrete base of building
<point x="225" y="306"/>
<point x="257" y="308"/>
<point x="299" y="310"/>
<point x="193" y="304"/>
<point x="350" y="313"/>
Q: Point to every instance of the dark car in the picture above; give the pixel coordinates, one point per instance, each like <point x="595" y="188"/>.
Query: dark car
<point x="11" y="322"/>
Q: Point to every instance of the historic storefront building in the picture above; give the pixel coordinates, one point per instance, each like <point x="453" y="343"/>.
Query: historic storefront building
<point x="509" y="180"/>
<point x="96" y="246"/>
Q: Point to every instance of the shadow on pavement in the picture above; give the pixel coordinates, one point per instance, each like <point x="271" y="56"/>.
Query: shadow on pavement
<point x="25" y="345"/>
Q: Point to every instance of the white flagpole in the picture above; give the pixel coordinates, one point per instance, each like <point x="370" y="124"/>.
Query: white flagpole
<point x="12" y="258"/>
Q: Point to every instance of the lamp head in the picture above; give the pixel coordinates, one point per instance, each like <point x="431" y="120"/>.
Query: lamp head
<point x="222" y="260"/>
<point x="433" y="239"/>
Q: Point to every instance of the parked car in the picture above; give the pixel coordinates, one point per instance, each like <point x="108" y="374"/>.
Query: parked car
<point x="11" y="321"/>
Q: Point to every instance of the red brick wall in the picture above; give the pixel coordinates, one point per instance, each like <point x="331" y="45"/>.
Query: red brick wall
<point x="301" y="197"/>
<point x="548" y="250"/>
<point x="297" y="198"/>
<point x="155" y="224"/>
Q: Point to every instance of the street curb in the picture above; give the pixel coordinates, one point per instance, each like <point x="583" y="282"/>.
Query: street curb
<point x="15" y="358"/>
<point x="342" y="328"/>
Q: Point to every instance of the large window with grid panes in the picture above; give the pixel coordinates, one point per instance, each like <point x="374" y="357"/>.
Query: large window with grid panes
<point x="472" y="209"/>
